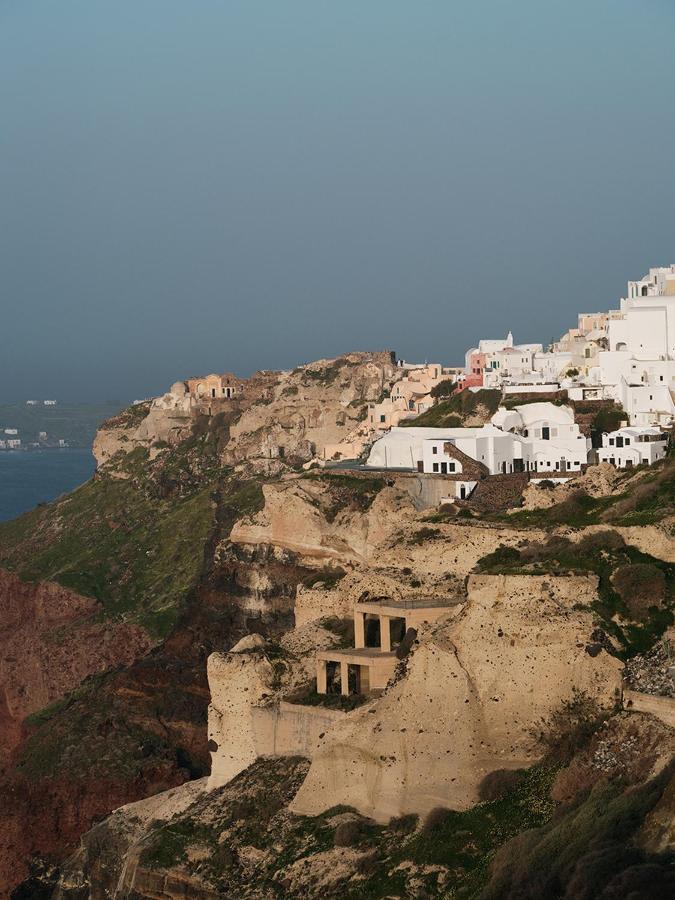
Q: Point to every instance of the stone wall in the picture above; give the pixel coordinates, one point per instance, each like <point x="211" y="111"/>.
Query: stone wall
<point x="243" y="722"/>
<point x="289" y="729"/>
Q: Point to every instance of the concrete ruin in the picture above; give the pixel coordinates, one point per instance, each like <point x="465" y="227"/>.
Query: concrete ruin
<point x="379" y="628"/>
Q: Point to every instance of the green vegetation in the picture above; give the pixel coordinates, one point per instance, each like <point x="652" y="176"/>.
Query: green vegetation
<point x="443" y="388"/>
<point x="605" y="554"/>
<point x="513" y="400"/>
<point x="347" y="492"/>
<point x="425" y="534"/>
<point x="134" y="536"/>
<point x="109" y="540"/>
<point x="250" y="812"/>
<point x="586" y="851"/>
<point x="578" y="510"/>
<point x="452" y="412"/>
<point x="647" y="496"/>
<point x="307" y="696"/>
<point x="608" y="418"/>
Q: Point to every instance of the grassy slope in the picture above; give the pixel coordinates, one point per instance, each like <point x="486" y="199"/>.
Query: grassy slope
<point x="111" y="540"/>
<point x="451" y="413"/>
<point x="134" y="536"/>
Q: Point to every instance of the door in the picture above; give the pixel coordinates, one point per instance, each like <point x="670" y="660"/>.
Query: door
<point x="546" y="433"/>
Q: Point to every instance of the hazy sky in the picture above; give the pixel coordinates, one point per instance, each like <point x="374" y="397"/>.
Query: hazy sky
<point x="198" y="185"/>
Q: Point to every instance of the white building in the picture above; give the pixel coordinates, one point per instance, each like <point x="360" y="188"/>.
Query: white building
<point x="631" y="446"/>
<point x="49" y="402"/>
<point x="13" y="443"/>
<point x="534" y="437"/>
<point x="11" y="430"/>
<point x="639" y="362"/>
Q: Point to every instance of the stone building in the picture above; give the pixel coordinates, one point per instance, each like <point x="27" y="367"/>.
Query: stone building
<point x="215" y="387"/>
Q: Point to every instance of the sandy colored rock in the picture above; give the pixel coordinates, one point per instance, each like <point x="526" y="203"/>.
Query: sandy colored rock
<point x="52" y="639"/>
<point x="476" y="687"/>
<point x="249" y="642"/>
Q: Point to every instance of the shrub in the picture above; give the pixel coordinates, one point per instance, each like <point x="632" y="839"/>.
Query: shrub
<point x="436" y="818"/>
<point x="349" y="833"/>
<point x="640" y="585"/>
<point x="502" y="556"/>
<point x="609" y="540"/>
<point x="556" y="545"/>
<point x="546" y="484"/>
<point x="609" y="418"/>
<point x="443" y="388"/>
<point x="572" y="781"/>
<point x="499" y="783"/>
<point x="425" y="534"/>
<point x="403" y="824"/>
<point x="641" y="882"/>
<point x="571" y="727"/>
<point x="368" y="863"/>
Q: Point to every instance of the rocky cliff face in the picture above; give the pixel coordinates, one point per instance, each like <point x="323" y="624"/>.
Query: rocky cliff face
<point x="203" y="527"/>
<point x="292" y="416"/>
<point x="52" y="639"/>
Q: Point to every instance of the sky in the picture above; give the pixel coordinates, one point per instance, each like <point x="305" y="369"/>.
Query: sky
<point x="217" y="185"/>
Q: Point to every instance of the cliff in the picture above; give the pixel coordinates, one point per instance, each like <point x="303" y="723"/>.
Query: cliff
<point x="212" y="544"/>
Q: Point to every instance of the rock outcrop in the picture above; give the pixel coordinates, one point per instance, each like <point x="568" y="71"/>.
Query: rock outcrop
<point x="476" y="688"/>
<point x="311" y="408"/>
<point x="52" y="639"/>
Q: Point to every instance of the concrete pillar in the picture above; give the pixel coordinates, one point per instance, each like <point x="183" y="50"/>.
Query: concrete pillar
<point x="321" y="677"/>
<point x="385" y="634"/>
<point x="344" y="678"/>
<point x="359" y="629"/>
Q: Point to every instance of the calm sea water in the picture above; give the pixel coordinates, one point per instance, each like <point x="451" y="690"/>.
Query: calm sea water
<point x="38" y="476"/>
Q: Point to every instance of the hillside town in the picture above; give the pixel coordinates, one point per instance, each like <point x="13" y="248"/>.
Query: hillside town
<point x="622" y="358"/>
<point x="389" y="577"/>
<point x="604" y="392"/>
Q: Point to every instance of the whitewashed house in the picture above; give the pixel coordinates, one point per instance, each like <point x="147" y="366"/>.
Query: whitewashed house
<point x="631" y="446"/>
<point x="534" y="437"/>
<point x="556" y="443"/>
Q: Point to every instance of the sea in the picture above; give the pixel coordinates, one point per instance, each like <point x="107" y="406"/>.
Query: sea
<point x="29" y="477"/>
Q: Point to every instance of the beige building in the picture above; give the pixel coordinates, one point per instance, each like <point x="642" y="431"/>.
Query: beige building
<point x="215" y="387"/>
<point x="379" y="628"/>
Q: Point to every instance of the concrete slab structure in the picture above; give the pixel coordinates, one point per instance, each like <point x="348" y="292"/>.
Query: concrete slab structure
<point x="379" y="626"/>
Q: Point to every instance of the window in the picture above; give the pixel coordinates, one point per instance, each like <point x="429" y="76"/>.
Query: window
<point x="434" y="449"/>
<point x="626" y="441"/>
<point x="435" y="467"/>
<point x="383" y="418"/>
<point x="451" y="467"/>
<point x="611" y="441"/>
